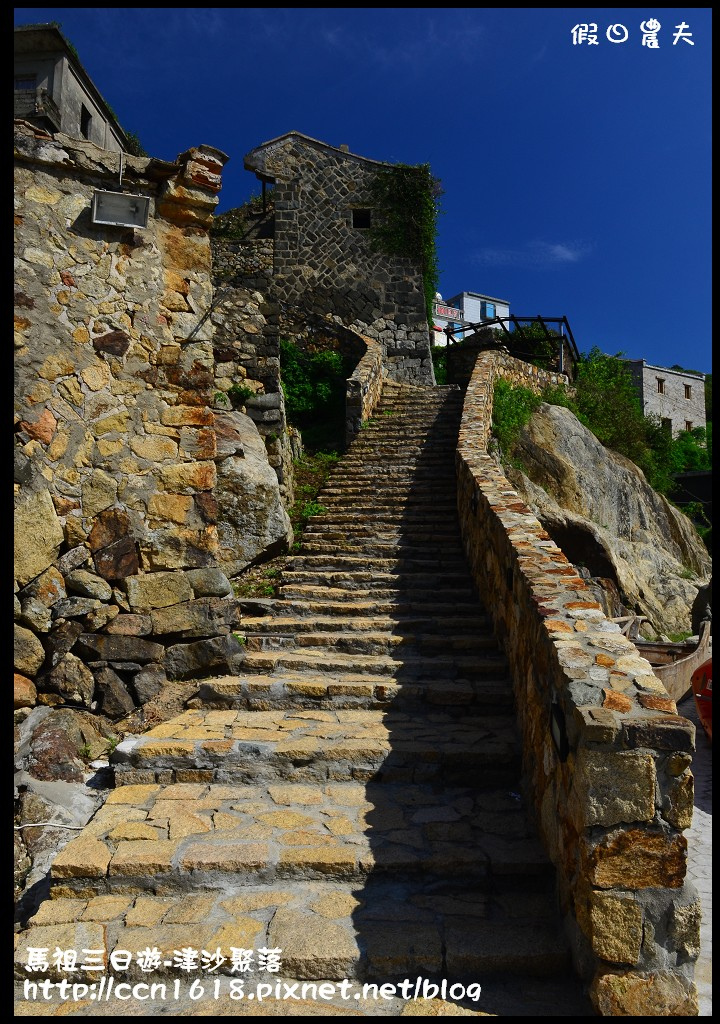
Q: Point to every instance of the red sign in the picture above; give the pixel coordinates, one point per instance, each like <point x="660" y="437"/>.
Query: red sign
<point x="449" y="312"/>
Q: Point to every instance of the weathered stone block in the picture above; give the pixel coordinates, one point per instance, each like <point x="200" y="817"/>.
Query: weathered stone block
<point x="87" y="584"/>
<point x="130" y="624"/>
<point x="616" y="927"/>
<point x="148" y="682"/>
<point x="209" y="582"/>
<point x="185" y="661"/>
<point x="71" y="680"/>
<point x="206" y="616"/>
<point x="669" y="732"/>
<point x="635" y="858"/>
<point x="118" y="560"/>
<point x="677" y="801"/>
<point x="158" y="590"/>
<point x="120" y="648"/>
<point x="684" y="928"/>
<point x="655" y="994"/>
<point x="189" y="477"/>
<point x="112" y="694"/>
<point x="111" y="525"/>
<point x="98" y="492"/>
<point x="114" y="343"/>
<point x="611" y="787"/>
<point x="38" y="534"/>
<point x="61" y="640"/>
<point x="24" y="692"/>
<point x="29" y="653"/>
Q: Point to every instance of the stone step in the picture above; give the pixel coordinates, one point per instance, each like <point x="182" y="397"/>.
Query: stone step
<point x="444" y="587"/>
<point x="367" y="513"/>
<point x="327" y="928"/>
<point x="414" y="668"/>
<point x="396" y="645"/>
<point x="395" y="516"/>
<point x="343" y="689"/>
<point x="473" y="626"/>
<point x="349" y="586"/>
<point x="154" y="838"/>
<point x="392" y="745"/>
<point x="374" y="549"/>
<point x="443" y="535"/>
<point x="350" y="603"/>
<point x="450" y="565"/>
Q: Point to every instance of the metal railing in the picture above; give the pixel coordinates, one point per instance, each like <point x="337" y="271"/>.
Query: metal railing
<point x="519" y="342"/>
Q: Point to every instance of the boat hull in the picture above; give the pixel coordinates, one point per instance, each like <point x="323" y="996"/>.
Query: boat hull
<point x="702" y="692"/>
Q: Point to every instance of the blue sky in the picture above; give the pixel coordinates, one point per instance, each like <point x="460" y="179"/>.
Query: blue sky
<point x="576" y="177"/>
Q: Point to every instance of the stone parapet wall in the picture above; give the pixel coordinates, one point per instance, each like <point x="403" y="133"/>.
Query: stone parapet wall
<point x="364" y="388"/>
<point x="607" y="758"/>
<point x="462" y="356"/>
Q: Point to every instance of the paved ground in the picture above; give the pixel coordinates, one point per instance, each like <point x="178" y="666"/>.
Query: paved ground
<point x="700" y="850"/>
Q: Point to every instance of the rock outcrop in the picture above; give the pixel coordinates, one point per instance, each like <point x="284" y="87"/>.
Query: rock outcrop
<point x="645" y="555"/>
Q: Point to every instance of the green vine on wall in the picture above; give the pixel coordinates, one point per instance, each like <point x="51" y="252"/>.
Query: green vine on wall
<point x="406" y="198"/>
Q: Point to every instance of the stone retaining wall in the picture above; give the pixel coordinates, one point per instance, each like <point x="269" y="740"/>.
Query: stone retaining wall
<point x="607" y="758"/>
<point x="118" y="449"/>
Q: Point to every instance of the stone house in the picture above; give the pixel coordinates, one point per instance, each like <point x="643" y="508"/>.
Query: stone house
<point x="54" y="91"/>
<point x="676" y="396"/>
<point x="323" y="260"/>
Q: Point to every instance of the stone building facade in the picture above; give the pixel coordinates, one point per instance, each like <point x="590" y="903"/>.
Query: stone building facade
<point x="323" y="260"/>
<point x="677" y="397"/>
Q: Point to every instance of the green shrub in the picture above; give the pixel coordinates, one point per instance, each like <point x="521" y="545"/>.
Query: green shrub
<point x="439" y="358"/>
<point x="239" y="394"/>
<point x="313" y="383"/>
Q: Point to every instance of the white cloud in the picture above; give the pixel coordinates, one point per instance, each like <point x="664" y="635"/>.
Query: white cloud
<point x="534" y="255"/>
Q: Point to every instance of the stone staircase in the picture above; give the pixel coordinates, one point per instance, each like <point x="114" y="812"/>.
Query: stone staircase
<point x="353" y="799"/>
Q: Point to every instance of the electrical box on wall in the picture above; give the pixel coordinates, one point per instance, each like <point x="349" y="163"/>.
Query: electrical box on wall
<point x="120" y="209"/>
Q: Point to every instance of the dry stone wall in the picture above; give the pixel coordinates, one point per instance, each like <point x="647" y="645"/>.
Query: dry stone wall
<point x="607" y="758"/>
<point x="119" y="451"/>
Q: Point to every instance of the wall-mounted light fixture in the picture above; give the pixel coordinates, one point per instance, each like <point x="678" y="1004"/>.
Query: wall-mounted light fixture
<point x="558" y="730"/>
<point x="120" y="209"/>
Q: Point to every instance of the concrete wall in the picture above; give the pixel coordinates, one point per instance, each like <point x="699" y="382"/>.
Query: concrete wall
<point x="613" y="791"/>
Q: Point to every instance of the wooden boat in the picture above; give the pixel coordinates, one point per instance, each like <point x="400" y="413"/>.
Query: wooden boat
<point x="702" y="691"/>
<point x="673" y="663"/>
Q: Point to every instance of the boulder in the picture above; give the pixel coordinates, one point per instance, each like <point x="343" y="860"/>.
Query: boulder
<point x="252" y="521"/>
<point x="599" y="508"/>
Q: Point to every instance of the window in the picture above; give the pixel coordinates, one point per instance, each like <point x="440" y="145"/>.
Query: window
<point x="666" y="425"/>
<point x="688" y="426"/>
<point x="660" y="385"/>
<point x="361" y="218"/>
<point x="489" y="310"/>
<point x="85" y="121"/>
<point x="25" y="83"/>
<point x="688" y="390"/>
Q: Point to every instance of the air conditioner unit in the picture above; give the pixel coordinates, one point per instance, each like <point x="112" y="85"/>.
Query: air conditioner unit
<point x="120" y="209"/>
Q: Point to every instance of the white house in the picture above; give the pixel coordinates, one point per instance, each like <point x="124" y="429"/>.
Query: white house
<point x="464" y="309"/>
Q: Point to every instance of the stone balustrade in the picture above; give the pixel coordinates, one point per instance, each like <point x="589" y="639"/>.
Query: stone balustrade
<point x="607" y="758"/>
